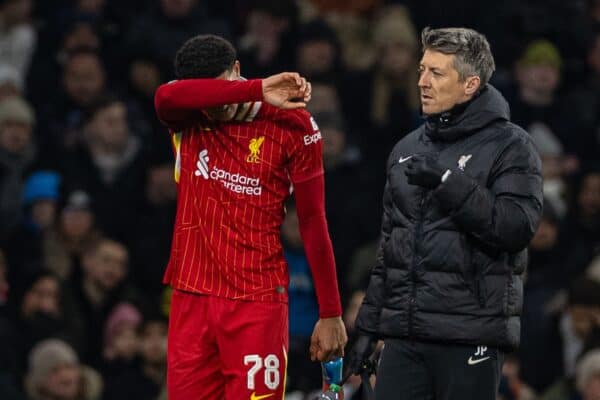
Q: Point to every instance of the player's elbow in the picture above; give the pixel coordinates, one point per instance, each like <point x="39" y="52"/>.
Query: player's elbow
<point x="163" y="103"/>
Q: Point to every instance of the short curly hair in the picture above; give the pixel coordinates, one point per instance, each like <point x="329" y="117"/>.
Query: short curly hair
<point x="204" y="56"/>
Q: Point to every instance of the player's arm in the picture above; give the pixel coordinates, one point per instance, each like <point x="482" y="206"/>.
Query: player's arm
<point x="180" y="102"/>
<point x="306" y="172"/>
<point x="329" y="336"/>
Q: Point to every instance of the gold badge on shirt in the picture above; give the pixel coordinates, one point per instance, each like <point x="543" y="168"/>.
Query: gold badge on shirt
<point x="254" y="147"/>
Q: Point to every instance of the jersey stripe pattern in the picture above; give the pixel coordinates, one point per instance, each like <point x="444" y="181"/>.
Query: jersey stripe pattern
<point x="233" y="178"/>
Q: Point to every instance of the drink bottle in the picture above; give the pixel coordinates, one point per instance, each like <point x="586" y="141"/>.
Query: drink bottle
<point x="332" y="379"/>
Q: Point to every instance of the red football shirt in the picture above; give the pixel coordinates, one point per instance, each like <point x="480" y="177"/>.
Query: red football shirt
<point x="233" y="178"/>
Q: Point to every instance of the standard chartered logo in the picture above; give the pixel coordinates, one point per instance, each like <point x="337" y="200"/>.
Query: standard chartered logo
<point x="237" y="183"/>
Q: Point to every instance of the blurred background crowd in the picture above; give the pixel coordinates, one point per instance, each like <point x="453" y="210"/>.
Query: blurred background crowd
<point x="87" y="198"/>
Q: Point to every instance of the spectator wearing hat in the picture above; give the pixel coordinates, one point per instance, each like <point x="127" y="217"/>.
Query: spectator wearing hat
<point x="25" y="247"/>
<point x="537" y="100"/>
<point x="55" y="372"/>
<point x="148" y="381"/>
<point x="121" y="340"/>
<point x="16" y="154"/>
<point x="74" y="231"/>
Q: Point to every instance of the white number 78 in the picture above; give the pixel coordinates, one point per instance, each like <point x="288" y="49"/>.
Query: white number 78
<point x="271" y="363"/>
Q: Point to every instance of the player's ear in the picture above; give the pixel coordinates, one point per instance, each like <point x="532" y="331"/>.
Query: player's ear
<point x="236" y="70"/>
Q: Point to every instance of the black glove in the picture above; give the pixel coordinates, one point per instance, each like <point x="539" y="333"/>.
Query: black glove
<point x="359" y="354"/>
<point x="424" y="170"/>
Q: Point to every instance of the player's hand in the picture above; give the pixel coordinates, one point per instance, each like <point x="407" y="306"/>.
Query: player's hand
<point x="328" y="339"/>
<point x="287" y="90"/>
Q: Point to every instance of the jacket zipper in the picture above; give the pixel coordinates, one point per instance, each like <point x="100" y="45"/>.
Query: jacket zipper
<point x="413" y="293"/>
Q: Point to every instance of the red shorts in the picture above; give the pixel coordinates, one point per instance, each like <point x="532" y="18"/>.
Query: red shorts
<point x="223" y="349"/>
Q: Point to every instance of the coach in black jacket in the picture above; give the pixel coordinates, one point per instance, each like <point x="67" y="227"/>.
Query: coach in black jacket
<point x="462" y="200"/>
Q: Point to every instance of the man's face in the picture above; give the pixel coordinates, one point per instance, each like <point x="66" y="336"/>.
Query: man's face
<point x="439" y="83"/>
<point x="584" y="319"/>
<point x="15" y="136"/>
<point x="75" y="223"/>
<point x="42" y="297"/>
<point x="316" y="57"/>
<point x="43" y="213"/>
<point x="539" y="78"/>
<point x="154" y="343"/>
<point x="396" y="59"/>
<point x="226" y="112"/>
<point x="107" y="265"/>
<point x="17" y="11"/>
<point x="109" y="126"/>
<point x="84" y="79"/>
<point x="63" y="383"/>
<point x="591" y="391"/>
<point x="177" y="8"/>
<point x="589" y="196"/>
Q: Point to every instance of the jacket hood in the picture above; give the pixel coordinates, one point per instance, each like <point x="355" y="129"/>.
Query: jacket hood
<point x="467" y="118"/>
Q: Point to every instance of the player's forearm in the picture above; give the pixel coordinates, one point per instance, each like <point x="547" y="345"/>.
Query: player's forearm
<point x="174" y="101"/>
<point x="317" y="245"/>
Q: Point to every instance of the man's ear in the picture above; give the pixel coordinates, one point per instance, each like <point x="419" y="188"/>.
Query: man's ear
<point x="472" y="85"/>
<point x="236" y="71"/>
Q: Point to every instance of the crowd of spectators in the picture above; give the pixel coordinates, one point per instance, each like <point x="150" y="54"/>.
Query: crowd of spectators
<point x="87" y="198"/>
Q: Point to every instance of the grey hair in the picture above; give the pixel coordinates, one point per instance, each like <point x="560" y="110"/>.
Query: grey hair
<point x="471" y="50"/>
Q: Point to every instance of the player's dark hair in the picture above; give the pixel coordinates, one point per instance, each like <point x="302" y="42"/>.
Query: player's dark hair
<point x="204" y="56"/>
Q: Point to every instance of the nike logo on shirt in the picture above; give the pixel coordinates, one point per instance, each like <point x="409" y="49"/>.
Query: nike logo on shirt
<point x="254" y="396"/>
<point x="472" y="361"/>
<point x="403" y="159"/>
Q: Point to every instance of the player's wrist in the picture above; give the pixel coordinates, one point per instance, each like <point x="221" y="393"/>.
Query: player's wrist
<point x="256" y="89"/>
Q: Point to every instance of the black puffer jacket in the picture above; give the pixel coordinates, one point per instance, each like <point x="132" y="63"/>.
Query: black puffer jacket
<point x="451" y="260"/>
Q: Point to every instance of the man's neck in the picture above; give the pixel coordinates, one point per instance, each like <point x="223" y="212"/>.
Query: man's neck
<point x="536" y="97"/>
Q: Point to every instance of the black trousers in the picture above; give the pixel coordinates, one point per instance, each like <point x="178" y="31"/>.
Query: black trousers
<point x="411" y="370"/>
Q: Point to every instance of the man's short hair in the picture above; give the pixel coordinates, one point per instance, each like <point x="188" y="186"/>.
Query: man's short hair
<point x="471" y="50"/>
<point x="204" y="56"/>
